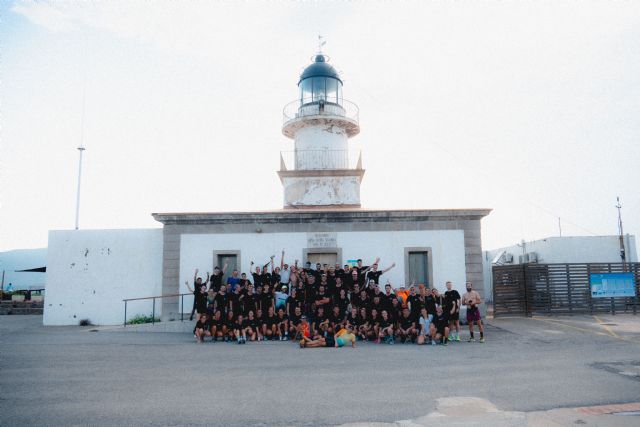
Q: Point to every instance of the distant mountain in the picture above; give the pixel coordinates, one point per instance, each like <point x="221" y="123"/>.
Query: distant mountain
<point x="23" y="259"/>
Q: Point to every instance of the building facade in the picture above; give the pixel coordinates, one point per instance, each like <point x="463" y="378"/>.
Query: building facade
<point x="91" y="272"/>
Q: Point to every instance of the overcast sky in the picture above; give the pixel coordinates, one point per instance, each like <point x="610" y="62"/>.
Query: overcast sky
<point x="529" y="108"/>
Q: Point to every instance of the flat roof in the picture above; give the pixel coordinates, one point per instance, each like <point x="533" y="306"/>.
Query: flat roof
<point x="323" y="214"/>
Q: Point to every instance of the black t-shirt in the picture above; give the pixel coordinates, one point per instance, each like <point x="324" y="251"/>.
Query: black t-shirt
<point x="231" y="324"/>
<point x="384" y="323"/>
<point x="247" y="323"/>
<point x="275" y="279"/>
<point x="414" y="303"/>
<point x="292" y="303"/>
<point x="203" y="325"/>
<point x="342" y="303"/>
<point x="321" y="296"/>
<point x="430" y="304"/>
<point x="218" y="323"/>
<point x="201" y="300"/>
<point x="294" y="320"/>
<point x="353" y="321"/>
<point x="320" y="318"/>
<point x="450" y="298"/>
<point x="282" y="319"/>
<point x="270" y="320"/>
<point x="441" y="321"/>
<point x="405" y="322"/>
<point x="335" y="319"/>
<point x="249" y="303"/>
<point x="215" y="281"/>
<point x="266" y="301"/>
<point x="374" y="275"/>
<point x="221" y="301"/>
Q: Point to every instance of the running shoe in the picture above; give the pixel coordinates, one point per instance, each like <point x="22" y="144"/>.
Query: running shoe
<point x="471" y="339"/>
<point x="482" y="340"/>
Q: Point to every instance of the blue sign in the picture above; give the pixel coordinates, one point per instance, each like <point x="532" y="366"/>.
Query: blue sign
<point x="610" y="285"/>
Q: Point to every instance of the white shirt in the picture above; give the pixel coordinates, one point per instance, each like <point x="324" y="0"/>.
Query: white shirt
<point x="284" y="276"/>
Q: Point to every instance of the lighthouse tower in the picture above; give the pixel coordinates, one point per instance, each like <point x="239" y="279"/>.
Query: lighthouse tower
<point x="319" y="171"/>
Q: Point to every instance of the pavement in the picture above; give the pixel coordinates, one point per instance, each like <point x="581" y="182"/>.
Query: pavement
<point x="580" y="370"/>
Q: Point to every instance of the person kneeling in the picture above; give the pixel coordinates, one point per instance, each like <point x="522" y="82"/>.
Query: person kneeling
<point x="202" y="329"/>
<point x="440" y="327"/>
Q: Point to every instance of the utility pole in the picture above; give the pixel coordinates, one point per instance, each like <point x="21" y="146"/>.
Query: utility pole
<point x="559" y="226"/>
<point x="623" y="256"/>
<point x="81" y="150"/>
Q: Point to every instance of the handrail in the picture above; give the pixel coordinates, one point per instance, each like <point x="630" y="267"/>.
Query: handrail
<point x="314" y="107"/>
<point x="153" y="312"/>
<point x="160" y="296"/>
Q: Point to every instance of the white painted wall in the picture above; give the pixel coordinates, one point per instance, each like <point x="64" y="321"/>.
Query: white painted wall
<point x="90" y="272"/>
<point x="321" y="191"/>
<point x="321" y="137"/>
<point x="569" y="249"/>
<point x="196" y="251"/>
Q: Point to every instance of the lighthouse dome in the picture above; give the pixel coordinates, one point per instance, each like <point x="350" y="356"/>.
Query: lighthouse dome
<point x="320" y="82"/>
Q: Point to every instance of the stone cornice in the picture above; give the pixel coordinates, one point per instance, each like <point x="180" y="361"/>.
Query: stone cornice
<point x="321" y="215"/>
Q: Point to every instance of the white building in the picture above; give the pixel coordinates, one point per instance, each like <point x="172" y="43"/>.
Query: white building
<point x="91" y="272"/>
<point x="560" y="250"/>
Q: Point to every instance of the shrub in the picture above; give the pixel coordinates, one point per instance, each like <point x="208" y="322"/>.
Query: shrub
<point x="140" y="319"/>
<point x="85" y="322"/>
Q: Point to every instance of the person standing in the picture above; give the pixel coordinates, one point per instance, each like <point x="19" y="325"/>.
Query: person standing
<point x="452" y="305"/>
<point x="472" y="300"/>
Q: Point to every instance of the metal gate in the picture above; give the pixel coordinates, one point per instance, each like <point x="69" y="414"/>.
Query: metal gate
<point x="531" y="289"/>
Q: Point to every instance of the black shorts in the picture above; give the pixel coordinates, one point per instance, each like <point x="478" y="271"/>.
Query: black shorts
<point x="330" y="341"/>
<point x="455" y="316"/>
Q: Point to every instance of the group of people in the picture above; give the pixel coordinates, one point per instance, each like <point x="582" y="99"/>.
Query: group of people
<point x="327" y="306"/>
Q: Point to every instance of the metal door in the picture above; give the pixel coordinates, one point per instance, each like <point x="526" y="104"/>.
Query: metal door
<point x="419" y="268"/>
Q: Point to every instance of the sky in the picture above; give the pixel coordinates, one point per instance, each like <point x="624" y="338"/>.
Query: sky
<point x="528" y="108"/>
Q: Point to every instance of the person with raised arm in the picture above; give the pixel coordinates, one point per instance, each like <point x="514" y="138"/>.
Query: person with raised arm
<point x="374" y="274"/>
<point x="199" y="296"/>
<point x="215" y="281"/>
<point x="285" y="272"/>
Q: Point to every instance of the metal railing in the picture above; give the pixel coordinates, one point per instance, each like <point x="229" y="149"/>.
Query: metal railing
<point x="309" y="107"/>
<point x="153" y="310"/>
<point x="319" y="159"/>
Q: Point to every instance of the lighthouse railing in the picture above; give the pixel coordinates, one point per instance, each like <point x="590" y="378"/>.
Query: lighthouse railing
<point x="319" y="159"/>
<point x="314" y="107"/>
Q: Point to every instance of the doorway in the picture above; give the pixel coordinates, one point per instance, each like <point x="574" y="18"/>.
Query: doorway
<point x="328" y="258"/>
<point x="231" y="258"/>
<point x="418" y="271"/>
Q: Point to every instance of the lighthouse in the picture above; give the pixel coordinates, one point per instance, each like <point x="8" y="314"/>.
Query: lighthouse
<point x="320" y="172"/>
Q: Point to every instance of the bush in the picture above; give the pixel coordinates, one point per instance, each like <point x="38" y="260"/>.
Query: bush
<point x="141" y="318"/>
<point x="85" y="322"/>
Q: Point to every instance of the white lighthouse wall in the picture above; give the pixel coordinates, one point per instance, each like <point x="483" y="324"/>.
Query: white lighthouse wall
<point x="90" y="272"/>
<point x="321" y="191"/>
<point x="314" y="138"/>
<point x="447" y="252"/>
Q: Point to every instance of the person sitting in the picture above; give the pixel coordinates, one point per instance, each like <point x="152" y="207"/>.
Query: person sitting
<point x="250" y="327"/>
<point x="425" y="326"/>
<point x="385" y="329"/>
<point x="440" y="327"/>
<point x="282" y="325"/>
<point x="202" y="328"/>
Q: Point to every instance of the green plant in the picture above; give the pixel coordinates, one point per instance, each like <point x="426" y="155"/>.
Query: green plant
<point x="140" y="319"/>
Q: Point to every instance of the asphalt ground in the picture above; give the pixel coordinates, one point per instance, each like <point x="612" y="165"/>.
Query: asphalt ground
<point x="72" y="376"/>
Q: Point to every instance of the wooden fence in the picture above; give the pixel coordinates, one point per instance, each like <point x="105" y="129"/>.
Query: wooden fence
<point x="548" y="289"/>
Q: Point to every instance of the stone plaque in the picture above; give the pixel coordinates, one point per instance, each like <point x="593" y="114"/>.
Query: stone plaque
<point x="322" y="240"/>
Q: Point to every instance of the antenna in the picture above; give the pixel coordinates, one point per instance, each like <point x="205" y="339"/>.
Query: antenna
<point x="321" y="43"/>
<point x="621" y="233"/>
<point x="81" y="147"/>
